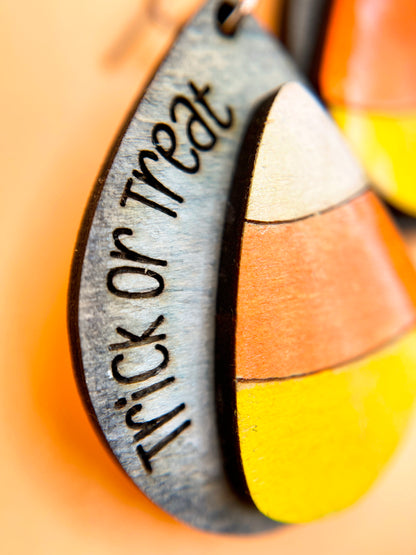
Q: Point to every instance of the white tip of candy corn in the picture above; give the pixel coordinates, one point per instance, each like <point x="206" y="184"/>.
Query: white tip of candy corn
<point x="303" y="165"/>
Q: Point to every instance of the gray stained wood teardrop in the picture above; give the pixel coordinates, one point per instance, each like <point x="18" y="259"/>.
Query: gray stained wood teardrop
<point x="143" y="290"/>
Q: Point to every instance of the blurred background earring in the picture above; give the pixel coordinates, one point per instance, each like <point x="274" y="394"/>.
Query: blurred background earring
<point x="361" y="55"/>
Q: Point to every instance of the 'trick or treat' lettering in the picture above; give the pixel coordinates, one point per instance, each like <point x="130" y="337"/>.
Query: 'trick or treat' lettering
<point x="139" y="276"/>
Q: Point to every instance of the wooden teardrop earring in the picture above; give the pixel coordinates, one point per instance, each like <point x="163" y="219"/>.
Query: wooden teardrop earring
<point x="241" y="308"/>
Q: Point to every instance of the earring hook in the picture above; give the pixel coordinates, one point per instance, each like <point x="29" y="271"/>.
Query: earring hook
<point x="241" y="9"/>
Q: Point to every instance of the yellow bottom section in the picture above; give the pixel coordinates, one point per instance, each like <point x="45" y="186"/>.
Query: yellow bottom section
<point x="386" y="146"/>
<point x="315" y="444"/>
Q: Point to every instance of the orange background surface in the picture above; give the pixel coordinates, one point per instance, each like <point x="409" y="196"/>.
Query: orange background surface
<point x="66" y="85"/>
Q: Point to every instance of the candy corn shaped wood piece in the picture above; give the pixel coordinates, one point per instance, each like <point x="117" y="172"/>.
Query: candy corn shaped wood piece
<point x="369" y="56"/>
<point x="325" y="340"/>
<point x="368" y="78"/>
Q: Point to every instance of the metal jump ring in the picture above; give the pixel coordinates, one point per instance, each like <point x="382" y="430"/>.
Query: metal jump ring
<point x="240" y="10"/>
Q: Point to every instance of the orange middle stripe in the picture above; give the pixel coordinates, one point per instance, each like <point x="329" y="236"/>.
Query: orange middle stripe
<point x="318" y="292"/>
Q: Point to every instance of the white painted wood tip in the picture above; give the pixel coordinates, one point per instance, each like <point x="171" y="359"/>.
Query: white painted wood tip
<point x="302" y="165"/>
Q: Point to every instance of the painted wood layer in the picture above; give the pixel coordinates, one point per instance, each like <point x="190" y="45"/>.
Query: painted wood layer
<point x="325" y="340"/>
<point x="321" y="291"/>
<point x="301" y="155"/>
<point x="311" y="446"/>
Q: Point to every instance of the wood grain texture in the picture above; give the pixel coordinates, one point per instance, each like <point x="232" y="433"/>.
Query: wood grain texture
<point x="321" y="291"/>
<point x="301" y="156"/>
<point x="61" y="492"/>
<point x="324" y="329"/>
<point x="146" y="269"/>
<point x="314" y="445"/>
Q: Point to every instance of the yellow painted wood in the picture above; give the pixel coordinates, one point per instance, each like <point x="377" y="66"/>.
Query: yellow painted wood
<point x="303" y="164"/>
<point x="315" y="444"/>
<point x="386" y="145"/>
